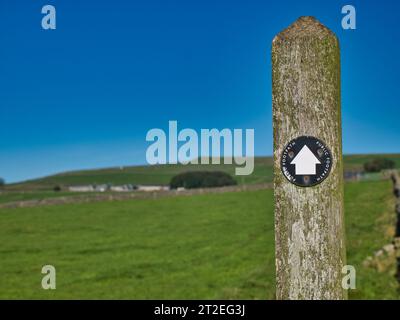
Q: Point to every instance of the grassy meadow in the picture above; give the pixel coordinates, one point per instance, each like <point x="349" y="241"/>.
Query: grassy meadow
<point x="187" y="247"/>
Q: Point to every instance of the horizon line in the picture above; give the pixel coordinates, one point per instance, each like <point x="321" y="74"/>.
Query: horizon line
<point x="166" y="164"/>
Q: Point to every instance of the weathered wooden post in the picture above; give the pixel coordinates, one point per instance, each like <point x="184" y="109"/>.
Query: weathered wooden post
<point x="308" y="171"/>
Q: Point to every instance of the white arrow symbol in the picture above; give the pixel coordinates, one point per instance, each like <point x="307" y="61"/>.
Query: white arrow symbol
<point x="305" y="162"/>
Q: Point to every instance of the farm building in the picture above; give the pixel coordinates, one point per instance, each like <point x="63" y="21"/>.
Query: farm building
<point x="152" y="188"/>
<point x="88" y="188"/>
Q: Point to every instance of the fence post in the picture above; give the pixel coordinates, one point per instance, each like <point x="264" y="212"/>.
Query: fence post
<point x="308" y="169"/>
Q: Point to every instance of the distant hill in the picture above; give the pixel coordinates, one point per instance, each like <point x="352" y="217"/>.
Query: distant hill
<point x="162" y="174"/>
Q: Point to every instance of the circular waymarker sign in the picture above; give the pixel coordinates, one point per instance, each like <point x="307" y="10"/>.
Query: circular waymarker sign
<point x="306" y="161"/>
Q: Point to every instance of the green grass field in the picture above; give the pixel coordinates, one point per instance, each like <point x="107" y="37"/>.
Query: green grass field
<point x="204" y="246"/>
<point x="32" y="195"/>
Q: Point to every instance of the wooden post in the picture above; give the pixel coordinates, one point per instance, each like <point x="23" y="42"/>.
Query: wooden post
<point x="309" y="221"/>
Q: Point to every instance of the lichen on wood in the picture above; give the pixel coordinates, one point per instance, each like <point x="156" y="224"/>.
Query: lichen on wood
<point x="309" y="222"/>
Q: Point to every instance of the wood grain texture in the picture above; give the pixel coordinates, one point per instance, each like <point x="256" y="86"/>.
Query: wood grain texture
<point x="309" y="222"/>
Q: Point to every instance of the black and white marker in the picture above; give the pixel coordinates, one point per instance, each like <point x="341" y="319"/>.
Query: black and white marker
<point x="306" y="161"/>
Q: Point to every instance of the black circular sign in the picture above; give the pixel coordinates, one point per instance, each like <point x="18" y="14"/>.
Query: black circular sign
<point x="306" y="161"/>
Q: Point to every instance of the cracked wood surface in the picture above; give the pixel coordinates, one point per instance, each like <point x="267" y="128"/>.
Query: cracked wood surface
<point x="309" y="222"/>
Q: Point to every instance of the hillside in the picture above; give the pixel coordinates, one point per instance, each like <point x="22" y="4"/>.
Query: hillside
<point x="147" y="175"/>
<point x="161" y="174"/>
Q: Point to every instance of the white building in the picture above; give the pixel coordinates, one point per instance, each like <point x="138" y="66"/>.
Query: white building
<point x="101" y="188"/>
<point x="88" y="188"/>
<point x="152" y="188"/>
<point x="123" y="188"/>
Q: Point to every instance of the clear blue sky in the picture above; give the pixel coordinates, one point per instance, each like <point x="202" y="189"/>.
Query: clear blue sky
<point x="85" y="95"/>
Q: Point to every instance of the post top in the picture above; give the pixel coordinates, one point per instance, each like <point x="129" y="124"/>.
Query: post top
<point x="305" y="26"/>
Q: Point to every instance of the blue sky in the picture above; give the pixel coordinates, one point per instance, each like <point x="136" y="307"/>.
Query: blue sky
<point x="85" y="95"/>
